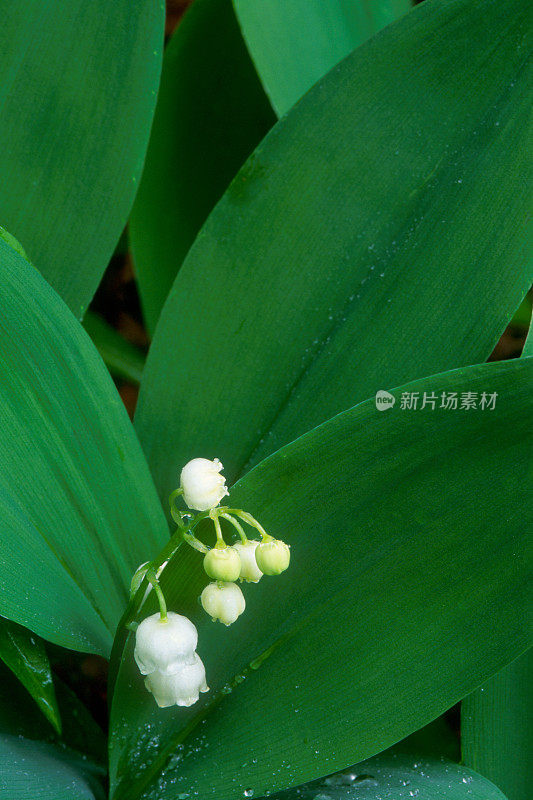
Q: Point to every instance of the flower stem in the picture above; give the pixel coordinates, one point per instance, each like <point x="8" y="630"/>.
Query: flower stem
<point x="175" y="512"/>
<point x="218" y="530"/>
<point x="152" y="578"/>
<point x="236" y="525"/>
<point x="246" y="517"/>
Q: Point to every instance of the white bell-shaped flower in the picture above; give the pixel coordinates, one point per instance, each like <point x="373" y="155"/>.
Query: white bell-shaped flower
<point x="222" y="564"/>
<point x="223" y="601"/>
<point x="165" y="645"/>
<point x="273" y="556"/>
<point x="249" y="570"/>
<point x="182" y="688"/>
<point x="203" y="485"/>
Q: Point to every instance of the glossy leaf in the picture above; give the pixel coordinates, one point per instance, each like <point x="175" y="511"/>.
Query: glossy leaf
<point x="347" y="253"/>
<point x="401" y="778"/>
<point x="295" y="43"/>
<point x="211" y="112"/>
<point x="78" y="85"/>
<point x="75" y="494"/>
<point x="121" y="357"/>
<point x="497" y="728"/>
<point x="19" y="716"/>
<point x="406" y="590"/>
<point x="23" y="652"/>
<point x="32" y="770"/>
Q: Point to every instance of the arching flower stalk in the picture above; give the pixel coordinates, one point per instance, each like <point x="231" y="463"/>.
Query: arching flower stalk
<point x="165" y="649"/>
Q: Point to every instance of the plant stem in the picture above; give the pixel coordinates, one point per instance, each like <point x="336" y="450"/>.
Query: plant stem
<point x="236" y="525"/>
<point x="246" y="517"/>
<point x="218" y="530"/>
<point x="151" y="576"/>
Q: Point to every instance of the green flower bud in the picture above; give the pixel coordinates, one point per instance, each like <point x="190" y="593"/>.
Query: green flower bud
<point x="273" y="556"/>
<point x="222" y="564"/>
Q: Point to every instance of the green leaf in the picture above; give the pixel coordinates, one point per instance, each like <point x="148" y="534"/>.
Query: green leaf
<point x="294" y="44"/>
<point x="497" y="728"/>
<point x="20" y="717"/>
<point x="401" y="778"/>
<point x="24" y="654"/>
<point x="406" y="590"/>
<point x="32" y="770"/>
<point x="211" y="112"/>
<point x="122" y="358"/>
<point x="528" y="344"/>
<point x="356" y="248"/>
<point x="78" y="86"/>
<point x="79" y="510"/>
<point x="12" y="242"/>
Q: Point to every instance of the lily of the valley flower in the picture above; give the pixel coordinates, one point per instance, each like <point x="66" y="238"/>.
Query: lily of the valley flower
<point x="203" y="486"/>
<point x="180" y="689"/>
<point x="165" y="653"/>
<point x="223" y="601"/>
<point x="273" y="556"/>
<point x="222" y="563"/>
<point x="250" y="572"/>
<point x="165" y="645"/>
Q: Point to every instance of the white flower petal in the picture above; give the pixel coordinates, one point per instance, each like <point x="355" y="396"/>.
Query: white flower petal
<point x="223" y="601"/>
<point x="203" y="486"/>
<point x="249" y="570"/>
<point x="165" y="646"/>
<point x="180" y="689"/>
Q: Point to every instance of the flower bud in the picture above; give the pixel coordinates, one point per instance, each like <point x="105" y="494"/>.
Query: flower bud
<point x="203" y="486"/>
<point x="223" y="601"/>
<point x="165" y="646"/>
<point x="222" y="564"/>
<point x="182" y="688"/>
<point x="273" y="557"/>
<point x="249" y="570"/>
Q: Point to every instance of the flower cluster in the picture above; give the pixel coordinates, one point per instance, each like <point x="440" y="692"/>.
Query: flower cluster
<point x="165" y="649"/>
<point x="203" y="487"/>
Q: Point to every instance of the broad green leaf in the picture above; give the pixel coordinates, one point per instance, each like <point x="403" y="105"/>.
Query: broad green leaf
<point x="356" y="248"/>
<point x="211" y="112"/>
<point x="12" y="242"/>
<point x="78" y="85"/>
<point x="32" y="770"/>
<point x="293" y="43"/>
<point x="400" y="778"/>
<point x="497" y="719"/>
<point x="19" y="716"/>
<point x="497" y="728"/>
<point x="406" y="590"/>
<point x="23" y="652"/>
<point x="121" y="357"/>
<point x="79" y="510"/>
